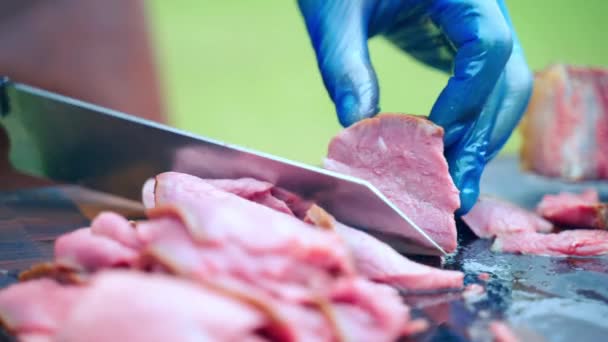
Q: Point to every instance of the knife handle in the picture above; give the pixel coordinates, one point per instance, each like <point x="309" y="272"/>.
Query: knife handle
<point x="4" y="108"/>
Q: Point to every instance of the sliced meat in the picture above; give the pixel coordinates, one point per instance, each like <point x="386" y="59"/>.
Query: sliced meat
<point x="36" y="307"/>
<point x="402" y="156"/>
<point x="253" y="190"/>
<point x="565" y="128"/>
<point x="567" y="243"/>
<point x="572" y="210"/>
<point x="117" y="228"/>
<point x="373" y="258"/>
<point x="221" y="216"/>
<point x="85" y="251"/>
<point x="105" y="312"/>
<point x="366" y="311"/>
<point x="379" y="262"/>
<point x="492" y="216"/>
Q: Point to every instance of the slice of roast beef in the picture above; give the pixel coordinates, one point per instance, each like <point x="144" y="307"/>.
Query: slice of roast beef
<point x="573" y="210"/>
<point x="373" y="258"/>
<point x="565" y="128"/>
<point x="492" y="216"/>
<point x="578" y="242"/>
<point x="402" y="155"/>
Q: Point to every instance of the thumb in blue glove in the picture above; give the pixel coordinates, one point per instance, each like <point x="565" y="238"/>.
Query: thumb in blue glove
<point x="484" y="98"/>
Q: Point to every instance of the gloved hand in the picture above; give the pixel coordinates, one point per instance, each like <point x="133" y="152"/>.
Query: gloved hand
<point x="474" y="39"/>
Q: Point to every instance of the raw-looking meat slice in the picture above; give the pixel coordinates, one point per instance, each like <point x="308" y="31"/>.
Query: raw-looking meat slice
<point x="565" y="128"/>
<point x="85" y="251"/>
<point x="222" y="216"/>
<point x="573" y="210"/>
<point x="36" y="307"/>
<point x="492" y="216"/>
<point x="566" y="243"/>
<point x="402" y="155"/>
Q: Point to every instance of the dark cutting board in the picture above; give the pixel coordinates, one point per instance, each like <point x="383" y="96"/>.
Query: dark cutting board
<point x="544" y="299"/>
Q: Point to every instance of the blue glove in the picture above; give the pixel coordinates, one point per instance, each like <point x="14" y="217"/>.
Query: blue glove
<point x="473" y="40"/>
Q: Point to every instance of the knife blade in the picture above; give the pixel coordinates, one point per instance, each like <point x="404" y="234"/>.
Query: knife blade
<point x="72" y="141"/>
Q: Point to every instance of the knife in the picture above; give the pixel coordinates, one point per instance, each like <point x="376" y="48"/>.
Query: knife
<point x="75" y="142"/>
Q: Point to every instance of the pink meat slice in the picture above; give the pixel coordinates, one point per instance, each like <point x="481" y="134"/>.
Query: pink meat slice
<point x="402" y="155"/>
<point x="379" y="262"/>
<point x="117" y="228"/>
<point x="373" y="258"/>
<point x="218" y="215"/>
<point x="582" y="210"/>
<point x="106" y="311"/>
<point x="578" y="242"/>
<point x="86" y="251"/>
<point x="36" y="307"/>
<point x="366" y="311"/>
<point x="253" y="190"/>
<point x="492" y="216"/>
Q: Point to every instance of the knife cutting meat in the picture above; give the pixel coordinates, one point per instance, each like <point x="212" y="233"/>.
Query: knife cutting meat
<point x="361" y="203"/>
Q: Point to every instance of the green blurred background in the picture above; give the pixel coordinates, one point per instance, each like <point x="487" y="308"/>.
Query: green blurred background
<point x="244" y="71"/>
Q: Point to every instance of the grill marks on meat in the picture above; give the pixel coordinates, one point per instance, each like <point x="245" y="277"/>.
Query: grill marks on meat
<point x="402" y="155"/>
<point x="565" y="129"/>
<point x="492" y="216"/>
<point x="582" y="210"/>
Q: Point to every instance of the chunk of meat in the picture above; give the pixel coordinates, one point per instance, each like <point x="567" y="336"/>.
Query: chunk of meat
<point x="565" y="128"/>
<point x="567" y="243"/>
<point x="572" y="210"/>
<point x="85" y="251"/>
<point x="402" y="156"/>
<point x="492" y="216"/>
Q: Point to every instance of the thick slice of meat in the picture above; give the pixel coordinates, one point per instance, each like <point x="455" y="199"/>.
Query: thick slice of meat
<point x="567" y="243"/>
<point x="402" y="155"/>
<point x="572" y="210"/>
<point x="36" y="307"/>
<point x="492" y="216"/>
<point x="565" y="128"/>
<point x="86" y="251"/>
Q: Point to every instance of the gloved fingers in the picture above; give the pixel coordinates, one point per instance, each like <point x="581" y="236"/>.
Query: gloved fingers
<point x="467" y="157"/>
<point x="483" y="41"/>
<point x="517" y="91"/>
<point x="338" y="31"/>
<point x="416" y="34"/>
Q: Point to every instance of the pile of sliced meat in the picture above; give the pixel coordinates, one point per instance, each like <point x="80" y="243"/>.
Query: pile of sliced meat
<point x="565" y="128"/>
<point x="219" y="260"/>
<point x="564" y="224"/>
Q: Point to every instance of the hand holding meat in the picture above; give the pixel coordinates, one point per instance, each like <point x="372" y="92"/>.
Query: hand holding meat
<point x="484" y="98"/>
